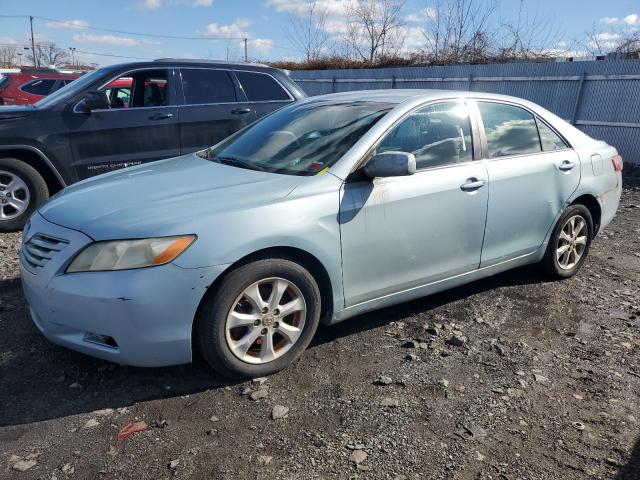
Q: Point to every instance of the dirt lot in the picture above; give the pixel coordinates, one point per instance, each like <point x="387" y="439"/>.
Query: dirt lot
<point x="543" y="383"/>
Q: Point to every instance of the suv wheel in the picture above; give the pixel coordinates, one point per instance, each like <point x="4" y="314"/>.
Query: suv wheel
<point x="22" y="190"/>
<point x="260" y="319"/>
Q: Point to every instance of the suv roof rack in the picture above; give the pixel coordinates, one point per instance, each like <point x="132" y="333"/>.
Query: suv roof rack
<point x="215" y="62"/>
<point x="35" y="71"/>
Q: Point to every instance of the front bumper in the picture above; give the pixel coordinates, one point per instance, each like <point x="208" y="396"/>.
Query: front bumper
<point x="139" y="317"/>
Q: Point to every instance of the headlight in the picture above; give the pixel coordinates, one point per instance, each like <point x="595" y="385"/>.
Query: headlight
<point x="126" y="254"/>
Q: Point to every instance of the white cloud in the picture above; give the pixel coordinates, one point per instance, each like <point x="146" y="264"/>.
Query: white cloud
<point x="235" y="29"/>
<point x="301" y="7"/>
<point x="108" y="39"/>
<point x="152" y="4"/>
<point x="427" y="13"/>
<point x="73" y="24"/>
<point x="632" y="19"/>
<point x="262" y="45"/>
<point x="156" y="4"/>
<point x="609" y="20"/>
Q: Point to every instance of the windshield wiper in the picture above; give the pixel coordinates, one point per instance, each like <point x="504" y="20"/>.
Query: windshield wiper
<point x="238" y="162"/>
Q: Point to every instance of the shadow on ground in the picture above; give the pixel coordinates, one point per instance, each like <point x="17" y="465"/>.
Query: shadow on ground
<point x="41" y="381"/>
<point x="631" y="470"/>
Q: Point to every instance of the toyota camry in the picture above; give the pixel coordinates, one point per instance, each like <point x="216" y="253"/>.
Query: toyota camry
<point x="327" y="208"/>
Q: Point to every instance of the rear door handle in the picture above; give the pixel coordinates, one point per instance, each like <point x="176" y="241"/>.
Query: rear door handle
<point x="472" y="184"/>
<point x="240" y="111"/>
<point x="161" y="116"/>
<point x="566" y="165"/>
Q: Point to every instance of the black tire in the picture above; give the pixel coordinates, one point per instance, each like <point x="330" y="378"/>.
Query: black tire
<point x="550" y="260"/>
<point x="210" y="329"/>
<point x="38" y="192"/>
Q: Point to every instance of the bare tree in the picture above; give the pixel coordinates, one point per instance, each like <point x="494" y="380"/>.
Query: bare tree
<point x="49" y="54"/>
<point x="374" y="28"/>
<point x="8" y="54"/>
<point x="458" y="31"/>
<point x="307" y="30"/>
<point x="529" y="37"/>
<point x="598" y="42"/>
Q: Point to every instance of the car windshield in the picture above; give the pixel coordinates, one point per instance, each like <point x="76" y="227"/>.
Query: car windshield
<point x="4" y="79"/>
<point x="301" y="139"/>
<point x="72" y="88"/>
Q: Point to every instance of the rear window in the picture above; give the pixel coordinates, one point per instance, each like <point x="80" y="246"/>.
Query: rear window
<point x="260" y="87"/>
<point x="207" y="86"/>
<point x="39" y="87"/>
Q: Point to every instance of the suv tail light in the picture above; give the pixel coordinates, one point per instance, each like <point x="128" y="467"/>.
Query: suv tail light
<point x="616" y="160"/>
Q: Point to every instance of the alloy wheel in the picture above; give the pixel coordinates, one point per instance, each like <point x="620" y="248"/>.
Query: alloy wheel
<point x="265" y="320"/>
<point x="14" y="195"/>
<point x="572" y="242"/>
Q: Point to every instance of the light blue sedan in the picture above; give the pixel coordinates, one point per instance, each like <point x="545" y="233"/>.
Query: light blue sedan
<point x="327" y="208"/>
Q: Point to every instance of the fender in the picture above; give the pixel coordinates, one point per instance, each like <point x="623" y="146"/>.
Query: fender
<point x="42" y="156"/>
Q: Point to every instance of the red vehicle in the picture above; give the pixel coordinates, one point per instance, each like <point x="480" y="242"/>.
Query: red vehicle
<point x="31" y="85"/>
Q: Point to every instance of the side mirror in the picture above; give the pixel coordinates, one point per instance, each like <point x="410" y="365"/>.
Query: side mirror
<point x="391" y="164"/>
<point x="95" y="100"/>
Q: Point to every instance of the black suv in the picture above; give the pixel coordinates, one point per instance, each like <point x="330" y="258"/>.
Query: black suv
<point x="125" y="115"/>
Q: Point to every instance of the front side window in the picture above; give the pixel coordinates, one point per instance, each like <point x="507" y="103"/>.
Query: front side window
<point x="437" y="135"/>
<point x="301" y="139"/>
<point x="549" y="139"/>
<point x="260" y="87"/>
<point x="39" y="87"/>
<point x="207" y="86"/>
<point x="146" y="88"/>
<point x="510" y="130"/>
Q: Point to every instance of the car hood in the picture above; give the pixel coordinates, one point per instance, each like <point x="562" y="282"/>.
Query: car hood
<point x="19" y="111"/>
<point x="162" y="198"/>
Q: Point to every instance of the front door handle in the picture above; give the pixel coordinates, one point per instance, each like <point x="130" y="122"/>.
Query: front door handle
<point x="472" y="184"/>
<point x="161" y="116"/>
<point x="241" y="111"/>
<point x="566" y="165"/>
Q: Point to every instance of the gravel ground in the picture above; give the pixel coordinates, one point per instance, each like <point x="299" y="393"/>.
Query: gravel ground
<point x="509" y="377"/>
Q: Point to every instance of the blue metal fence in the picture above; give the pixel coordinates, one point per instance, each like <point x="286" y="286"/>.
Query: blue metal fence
<point x="602" y="98"/>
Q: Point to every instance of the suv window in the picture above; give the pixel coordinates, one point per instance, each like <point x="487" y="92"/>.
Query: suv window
<point x="549" y="139"/>
<point x="146" y="88"/>
<point x="207" y="86"/>
<point x="437" y="135"/>
<point x="510" y="130"/>
<point x="260" y="87"/>
<point x="39" y="87"/>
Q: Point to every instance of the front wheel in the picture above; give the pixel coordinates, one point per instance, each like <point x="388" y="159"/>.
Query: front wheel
<point x="22" y="190"/>
<point x="260" y="319"/>
<point x="569" y="243"/>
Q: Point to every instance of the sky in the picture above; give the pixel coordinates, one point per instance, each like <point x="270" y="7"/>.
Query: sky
<point x="80" y="24"/>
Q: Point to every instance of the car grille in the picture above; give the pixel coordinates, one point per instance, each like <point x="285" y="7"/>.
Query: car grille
<point x="42" y="248"/>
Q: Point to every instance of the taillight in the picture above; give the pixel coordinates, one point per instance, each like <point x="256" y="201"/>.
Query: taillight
<point x="616" y="160"/>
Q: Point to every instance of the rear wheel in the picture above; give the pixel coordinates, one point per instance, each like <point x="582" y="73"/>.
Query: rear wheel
<point x="569" y="243"/>
<point x="260" y="319"/>
<point x="22" y="190"/>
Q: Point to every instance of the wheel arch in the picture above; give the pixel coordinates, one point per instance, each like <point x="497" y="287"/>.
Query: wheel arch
<point x="592" y="204"/>
<point x="38" y="160"/>
<point x="298" y="255"/>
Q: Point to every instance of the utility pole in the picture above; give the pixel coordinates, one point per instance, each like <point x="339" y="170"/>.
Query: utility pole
<point x="73" y="59"/>
<point x="246" y="55"/>
<point x="33" y="44"/>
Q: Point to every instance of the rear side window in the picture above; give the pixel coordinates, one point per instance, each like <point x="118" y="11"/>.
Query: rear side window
<point x="260" y="87"/>
<point x="39" y="87"/>
<point x="207" y="86"/>
<point x="510" y="130"/>
<point x="549" y="139"/>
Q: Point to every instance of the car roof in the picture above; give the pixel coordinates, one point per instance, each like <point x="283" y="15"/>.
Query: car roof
<point x="398" y="96"/>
